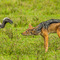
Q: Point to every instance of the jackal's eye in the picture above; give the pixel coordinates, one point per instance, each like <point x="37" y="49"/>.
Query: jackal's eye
<point x="26" y="31"/>
<point x="31" y="32"/>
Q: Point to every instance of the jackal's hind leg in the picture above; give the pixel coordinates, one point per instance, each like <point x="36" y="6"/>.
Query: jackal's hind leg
<point x="58" y="31"/>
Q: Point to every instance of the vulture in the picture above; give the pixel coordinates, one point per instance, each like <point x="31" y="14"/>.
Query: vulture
<point x="5" y="20"/>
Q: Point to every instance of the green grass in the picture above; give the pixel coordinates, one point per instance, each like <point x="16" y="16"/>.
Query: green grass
<point x="14" y="46"/>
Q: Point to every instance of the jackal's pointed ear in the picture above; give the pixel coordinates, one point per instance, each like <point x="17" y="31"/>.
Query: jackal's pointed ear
<point x="30" y="26"/>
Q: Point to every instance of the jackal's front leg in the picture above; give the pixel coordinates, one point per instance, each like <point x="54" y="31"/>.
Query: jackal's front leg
<point x="45" y="35"/>
<point x="46" y="43"/>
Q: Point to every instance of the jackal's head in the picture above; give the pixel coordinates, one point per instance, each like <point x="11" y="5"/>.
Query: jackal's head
<point x="30" y="31"/>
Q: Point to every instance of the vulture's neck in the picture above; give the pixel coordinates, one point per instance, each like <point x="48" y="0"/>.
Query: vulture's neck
<point x="3" y="24"/>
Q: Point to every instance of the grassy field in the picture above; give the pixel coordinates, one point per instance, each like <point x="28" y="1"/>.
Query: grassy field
<point x="14" y="46"/>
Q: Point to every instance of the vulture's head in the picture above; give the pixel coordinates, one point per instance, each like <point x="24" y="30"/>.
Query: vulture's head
<point x="5" y="20"/>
